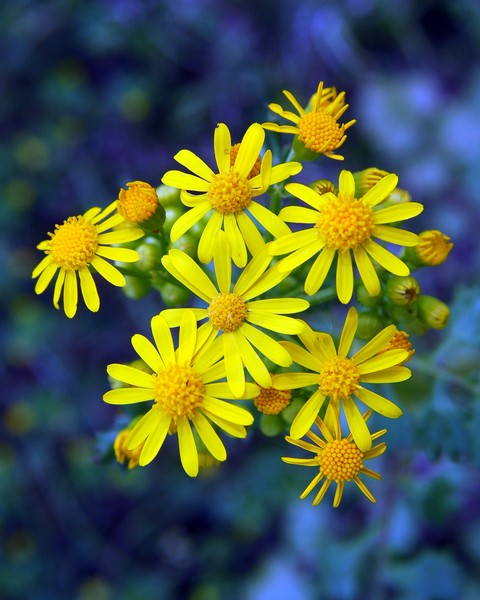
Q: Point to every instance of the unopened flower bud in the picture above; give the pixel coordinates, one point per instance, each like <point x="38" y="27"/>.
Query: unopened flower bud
<point x="366" y="179"/>
<point x="168" y="196"/>
<point x="139" y="204"/>
<point x="322" y="186"/>
<point x="433" y="312"/>
<point x="369" y="324"/>
<point x="400" y="341"/>
<point x="402" y="290"/>
<point x="151" y="252"/>
<point x="432" y="249"/>
<point x="365" y="299"/>
<point x="122" y="453"/>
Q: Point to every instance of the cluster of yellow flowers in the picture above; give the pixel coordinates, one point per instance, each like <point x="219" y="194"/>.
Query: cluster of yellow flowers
<point x="245" y="258"/>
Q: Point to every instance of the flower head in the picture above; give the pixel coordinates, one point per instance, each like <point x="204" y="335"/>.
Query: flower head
<point x="432" y="249"/>
<point x="338" y="377"/>
<point x="317" y="128"/>
<point x="339" y="225"/>
<point x="400" y="341"/>
<point x="186" y="388"/>
<point x="138" y="203"/>
<point x="271" y="400"/>
<point x="233" y="314"/>
<point x="337" y="458"/>
<point x="228" y="197"/>
<point x="78" y="244"/>
<point x="122" y="453"/>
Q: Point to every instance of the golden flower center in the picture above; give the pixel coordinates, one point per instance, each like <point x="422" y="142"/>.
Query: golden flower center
<point x="345" y="223"/>
<point x="229" y="192"/>
<point x="179" y="391"/>
<point x="138" y="202"/>
<point x="339" y="377"/>
<point x="255" y="170"/>
<point x="341" y="460"/>
<point x="433" y="247"/>
<point x="73" y="244"/>
<point x="319" y="132"/>
<point x="227" y="312"/>
<point x="271" y="401"/>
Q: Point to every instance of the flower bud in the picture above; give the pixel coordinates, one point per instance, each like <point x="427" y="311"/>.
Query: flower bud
<point x="151" y="252"/>
<point x="404" y="314"/>
<point x="168" y="196"/>
<point x="402" y="290"/>
<point x="366" y="179"/>
<point x="369" y="324"/>
<point x="365" y="299"/>
<point x="400" y="341"/>
<point x="139" y="204"/>
<point x="136" y="287"/>
<point x="432" y="249"/>
<point x="122" y="453"/>
<point x="322" y="186"/>
<point x="433" y="312"/>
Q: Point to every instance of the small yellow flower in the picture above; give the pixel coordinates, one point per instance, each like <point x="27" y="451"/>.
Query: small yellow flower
<point x="400" y="341"/>
<point x="339" y="377"/>
<point x="337" y="458"/>
<point x="317" y="128"/>
<point x="187" y="389"/>
<point x="228" y="196"/>
<point x="433" y="248"/>
<point x="271" y="400"/>
<point x="122" y="453"/>
<point x="234" y="314"/>
<point x="78" y="244"/>
<point x="138" y="203"/>
<point x="340" y="224"/>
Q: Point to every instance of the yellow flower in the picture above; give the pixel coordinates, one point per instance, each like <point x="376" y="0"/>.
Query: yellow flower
<point x="187" y="390"/>
<point x="400" y="341"/>
<point x="122" y="453"/>
<point x="337" y="458"/>
<point x="79" y="243"/>
<point x="338" y="224"/>
<point x="338" y="377"/>
<point x="271" y="400"/>
<point x="433" y="248"/>
<point x="233" y="313"/>
<point x="228" y="196"/>
<point x="138" y="203"/>
<point x="316" y="128"/>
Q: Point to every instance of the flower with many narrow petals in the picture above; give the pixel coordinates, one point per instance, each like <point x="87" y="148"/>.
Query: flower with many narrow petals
<point x="339" y="377"/>
<point x="74" y="247"/>
<point x="338" y="225"/>
<point x="316" y="128"/>
<point x="337" y="458"/>
<point x="227" y="197"/>
<point x="187" y="389"/>
<point x="234" y="314"/>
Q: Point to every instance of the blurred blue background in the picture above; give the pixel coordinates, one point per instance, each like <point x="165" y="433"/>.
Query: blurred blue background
<point x="97" y="93"/>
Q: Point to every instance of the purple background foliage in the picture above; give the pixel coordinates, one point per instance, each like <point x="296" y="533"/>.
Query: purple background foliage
<point x="97" y="93"/>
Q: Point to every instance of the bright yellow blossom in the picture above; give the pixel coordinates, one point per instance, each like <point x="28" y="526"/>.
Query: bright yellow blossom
<point x="74" y="247"/>
<point x="337" y="458"/>
<point x="339" y="377"/>
<point x="340" y="224"/>
<point x="187" y="389"/>
<point x="317" y="127"/>
<point x="234" y="314"/>
<point x="227" y="197"/>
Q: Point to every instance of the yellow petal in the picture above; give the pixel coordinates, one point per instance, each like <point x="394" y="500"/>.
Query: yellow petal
<point x="191" y="272"/>
<point x="108" y="271"/>
<point x="356" y="423"/>
<point x="187" y="447"/>
<point x="393" y="235"/>
<point x="249" y="149"/>
<point x="155" y="440"/>
<point x="375" y="345"/>
<point x="70" y="294"/>
<point x="348" y="332"/>
<point x="344" y="280"/>
<point x="237" y="243"/>
<point x="386" y="259"/>
<point x="128" y="395"/>
<point x="185" y="181"/>
<point x="163" y="339"/>
<point x="319" y="270"/>
<point x="147" y="352"/>
<point x="131" y="375"/>
<point x="398" y="212"/>
<point x="272" y="222"/>
<point x="188" y="220"/>
<point x="209" y="437"/>
<point x="222" y="144"/>
<point x="306" y="415"/>
<point x="194" y="164"/>
<point x="381" y="190"/>
<point x="121" y="254"/>
<point x="367" y="271"/>
<point x="251" y="235"/>
<point x="267" y="345"/>
<point x="205" y="245"/>
<point x="89" y="290"/>
<point x="346" y="183"/>
<point x="378" y="403"/>
<point x="233" y="365"/>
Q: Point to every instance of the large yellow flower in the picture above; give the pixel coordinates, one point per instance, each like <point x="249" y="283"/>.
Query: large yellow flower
<point x="337" y="458"/>
<point x="317" y="128"/>
<point x="228" y="196"/>
<point x="340" y="224"/>
<point x="233" y="313"/>
<point x="339" y="377"/>
<point x="187" y="389"/>
<point x="79" y="243"/>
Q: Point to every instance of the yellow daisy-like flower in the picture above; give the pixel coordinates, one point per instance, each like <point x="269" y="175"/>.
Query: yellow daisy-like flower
<point x="228" y="196"/>
<point x="233" y="313"/>
<point x="317" y="127"/>
<point x="138" y="203"/>
<point x="271" y="400"/>
<point x="187" y="390"/>
<point x="337" y="458"/>
<point x="341" y="224"/>
<point x="79" y="243"/>
<point x="339" y="377"/>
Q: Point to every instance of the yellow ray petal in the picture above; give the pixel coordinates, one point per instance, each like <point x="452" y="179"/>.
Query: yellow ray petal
<point x="367" y="271"/>
<point x="357" y="425"/>
<point x="233" y="365"/>
<point x="249" y="149"/>
<point x="378" y="403"/>
<point x="121" y="254"/>
<point x="70" y="294"/>
<point x="147" y="352"/>
<point x="348" y="332"/>
<point x="89" y="289"/>
<point x="395" y="236"/>
<point x="194" y="164"/>
<point x="191" y="272"/>
<point x="185" y="181"/>
<point x="267" y="345"/>
<point x="206" y="243"/>
<point x="390" y="375"/>
<point x="128" y="395"/>
<point x="319" y="270"/>
<point x="163" y="339"/>
<point x="209" y="437"/>
<point x="222" y="144"/>
<point x="272" y="222"/>
<point x="398" y="212"/>
<point x="188" y="220"/>
<point x="381" y="190"/>
<point x="143" y="428"/>
<point x="374" y="345"/>
<point x="236" y="241"/>
<point x="108" y="271"/>
<point x="131" y="375"/>
<point x="391" y="358"/>
<point x="187" y="447"/>
<point x="155" y="441"/>
<point x="346" y="183"/>
<point x="306" y="415"/>
<point x="344" y="278"/>
<point x="385" y="258"/>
